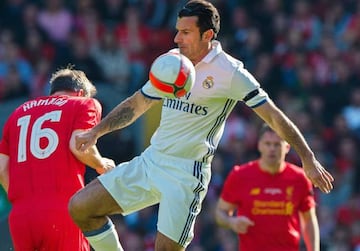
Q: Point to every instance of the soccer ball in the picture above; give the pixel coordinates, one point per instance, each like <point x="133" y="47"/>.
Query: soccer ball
<point x="172" y="74"/>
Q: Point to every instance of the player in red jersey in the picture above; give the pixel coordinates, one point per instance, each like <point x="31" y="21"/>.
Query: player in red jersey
<point x="40" y="167"/>
<point x="273" y="199"/>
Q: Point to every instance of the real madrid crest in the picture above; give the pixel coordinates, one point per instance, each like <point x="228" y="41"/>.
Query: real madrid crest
<point x="208" y="82"/>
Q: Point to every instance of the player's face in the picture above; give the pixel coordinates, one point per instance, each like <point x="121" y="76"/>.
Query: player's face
<point x="190" y="42"/>
<point x="272" y="149"/>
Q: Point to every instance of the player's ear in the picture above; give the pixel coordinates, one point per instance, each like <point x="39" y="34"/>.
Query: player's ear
<point x="80" y="93"/>
<point x="208" y="35"/>
<point x="288" y="147"/>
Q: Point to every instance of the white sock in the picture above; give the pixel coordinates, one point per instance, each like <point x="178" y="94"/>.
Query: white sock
<point x="104" y="239"/>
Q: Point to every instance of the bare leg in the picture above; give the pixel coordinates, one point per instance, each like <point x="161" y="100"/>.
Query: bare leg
<point x="163" y="243"/>
<point x="90" y="206"/>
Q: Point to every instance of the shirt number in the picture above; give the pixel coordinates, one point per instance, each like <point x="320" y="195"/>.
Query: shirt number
<point x="36" y="133"/>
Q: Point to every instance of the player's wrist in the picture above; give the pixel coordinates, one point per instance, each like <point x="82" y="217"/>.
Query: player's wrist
<point x="105" y="165"/>
<point x="100" y="170"/>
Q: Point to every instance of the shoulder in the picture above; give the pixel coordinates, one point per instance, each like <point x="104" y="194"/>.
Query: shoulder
<point x="92" y="101"/>
<point x="243" y="173"/>
<point x="248" y="167"/>
<point x="295" y="171"/>
<point x="218" y="57"/>
<point x="229" y="62"/>
<point x="294" y="168"/>
<point x="83" y="107"/>
<point x="84" y="101"/>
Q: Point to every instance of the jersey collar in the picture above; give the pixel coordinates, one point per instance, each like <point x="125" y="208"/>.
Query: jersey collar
<point x="216" y="49"/>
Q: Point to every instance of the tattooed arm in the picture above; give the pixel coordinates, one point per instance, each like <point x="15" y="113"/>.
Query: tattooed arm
<point x="121" y="116"/>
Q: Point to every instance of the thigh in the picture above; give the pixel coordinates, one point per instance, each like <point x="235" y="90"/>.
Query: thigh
<point x="94" y="200"/>
<point x="163" y="243"/>
<point x="131" y="185"/>
<point x="183" y="192"/>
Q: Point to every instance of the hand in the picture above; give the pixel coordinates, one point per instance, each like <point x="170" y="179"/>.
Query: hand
<point x="319" y="176"/>
<point x="107" y="164"/>
<point x="85" y="140"/>
<point x="240" y="224"/>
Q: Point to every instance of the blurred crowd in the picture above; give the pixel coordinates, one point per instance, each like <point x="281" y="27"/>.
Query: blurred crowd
<point x="305" y="54"/>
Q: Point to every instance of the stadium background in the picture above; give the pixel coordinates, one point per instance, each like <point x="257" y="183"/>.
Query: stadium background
<point x="306" y="54"/>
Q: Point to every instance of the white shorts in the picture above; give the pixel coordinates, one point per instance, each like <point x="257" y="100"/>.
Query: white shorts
<point x="178" y="185"/>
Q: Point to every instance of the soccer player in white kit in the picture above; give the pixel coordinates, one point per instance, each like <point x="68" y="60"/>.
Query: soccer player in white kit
<point x="175" y="170"/>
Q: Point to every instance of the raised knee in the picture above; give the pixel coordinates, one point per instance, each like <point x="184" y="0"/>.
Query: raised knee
<point x="75" y="207"/>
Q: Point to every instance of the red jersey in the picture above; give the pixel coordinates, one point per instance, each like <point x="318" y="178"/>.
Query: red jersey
<point x="272" y="201"/>
<point x="43" y="172"/>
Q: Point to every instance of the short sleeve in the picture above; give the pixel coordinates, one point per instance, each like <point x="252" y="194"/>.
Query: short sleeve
<point x="149" y="91"/>
<point x="308" y="200"/>
<point x="246" y="88"/>
<point x="88" y="114"/>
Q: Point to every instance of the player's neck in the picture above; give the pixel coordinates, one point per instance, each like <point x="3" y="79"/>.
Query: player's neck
<point x="202" y="53"/>
<point x="272" y="168"/>
<point x="65" y="93"/>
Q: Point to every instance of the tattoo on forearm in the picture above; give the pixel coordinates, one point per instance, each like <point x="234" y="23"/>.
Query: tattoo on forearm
<point x="121" y="118"/>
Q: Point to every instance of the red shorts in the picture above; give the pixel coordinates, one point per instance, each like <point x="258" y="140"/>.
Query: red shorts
<point x="38" y="227"/>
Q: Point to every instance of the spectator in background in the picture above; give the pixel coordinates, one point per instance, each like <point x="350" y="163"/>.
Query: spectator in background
<point x="35" y="48"/>
<point x="347" y="158"/>
<point x="81" y="57"/>
<point x="317" y="142"/>
<point x="345" y="164"/>
<point x="354" y="64"/>
<point x="292" y="57"/>
<point x="323" y="61"/>
<point x="337" y="130"/>
<point x="41" y="77"/>
<point x="306" y="23"/>
<point x="279" y="28"/>
<point x="240" y="27"/>
<point x="340" y="239"/>
<point x="11" y="86"/>
<point x="336" y="21"/>
<point x="348" y="217"/>
<point x="89" y="25"/>
<point x="153" y="12"/>
<point x="352" y="33"/>
<point x="174" y="7"/>
<point x="133" y="36"/>
<point x="29" y="25"/>
<point x="113" y="62"/>
<point x="11" y="13"/>
<point x="267" y="73"/>
<point x="265" y="191"/>
<point x="56" y="19"/>
<point x="15" y="72"/>
<point x="266" y="13"/>
<point x="351" y="112"/>
<point x="112" y="12"/>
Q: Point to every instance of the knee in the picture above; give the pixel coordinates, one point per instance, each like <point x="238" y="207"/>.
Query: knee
<point x="76" y="207"/>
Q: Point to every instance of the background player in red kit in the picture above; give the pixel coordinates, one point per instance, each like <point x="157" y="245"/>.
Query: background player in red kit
<point x="40" y="168"/>
<point x="273" y="199"/>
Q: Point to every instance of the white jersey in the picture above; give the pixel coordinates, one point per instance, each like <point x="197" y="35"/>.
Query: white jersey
<point x="191" y="126"/>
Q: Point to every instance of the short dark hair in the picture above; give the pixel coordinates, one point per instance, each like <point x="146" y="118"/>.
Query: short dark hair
<point x="69" y="79"/>
<point x="208" y="15"/>
<point x="263" y="129"/>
